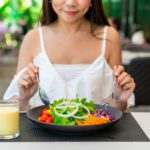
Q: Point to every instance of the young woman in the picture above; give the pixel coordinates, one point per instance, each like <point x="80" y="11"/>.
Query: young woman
<point x="75" y="51"/>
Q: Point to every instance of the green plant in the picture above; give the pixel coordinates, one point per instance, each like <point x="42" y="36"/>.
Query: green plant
<point x="11" y="11"/>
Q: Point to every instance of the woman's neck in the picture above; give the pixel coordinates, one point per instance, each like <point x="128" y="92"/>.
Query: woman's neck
<point x="72" y="28"/>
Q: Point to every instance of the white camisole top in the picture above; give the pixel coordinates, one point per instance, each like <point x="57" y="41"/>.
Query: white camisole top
<point x="93" y="81"/>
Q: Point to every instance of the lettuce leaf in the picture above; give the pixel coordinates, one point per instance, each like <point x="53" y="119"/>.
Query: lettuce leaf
<point x="70" y="120"/>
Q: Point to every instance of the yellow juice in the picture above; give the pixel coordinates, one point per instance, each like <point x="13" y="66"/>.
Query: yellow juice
<point x="9" y="120"/>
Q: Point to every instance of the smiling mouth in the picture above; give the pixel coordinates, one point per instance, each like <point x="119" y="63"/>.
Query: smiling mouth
<point x="71" y="13"/>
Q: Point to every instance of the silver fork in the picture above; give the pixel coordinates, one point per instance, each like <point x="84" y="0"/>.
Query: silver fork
<point x="42" y="93"/>
<point x="106" y="100"/>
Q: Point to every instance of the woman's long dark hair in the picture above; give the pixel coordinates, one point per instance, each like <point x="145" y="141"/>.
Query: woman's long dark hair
<point x="95" y="14"/>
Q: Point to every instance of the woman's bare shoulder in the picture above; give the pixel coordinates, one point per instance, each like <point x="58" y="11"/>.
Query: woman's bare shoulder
<point x="31" y="41"/>
<point x="111" y="32"/>
<point x="113" y="35"/>
<point x="31" y="35"/>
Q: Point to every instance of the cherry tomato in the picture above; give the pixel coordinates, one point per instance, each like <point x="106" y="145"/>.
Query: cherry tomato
<point x="49" y="120"/>
<point x="45" y="111"/>
<point x="44" y="117"/>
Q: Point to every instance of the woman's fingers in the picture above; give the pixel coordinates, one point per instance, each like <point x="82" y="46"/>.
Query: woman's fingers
<point x="28" y="79"/>
<point x="32" y="75"/>
<point x="33" y="67"/>
<point x="124" y="80"/>
<point x="23" y="83"/>
<point x="33" y="71"/>
<point x="129" y="86"/>
<point x="118" y="70"/>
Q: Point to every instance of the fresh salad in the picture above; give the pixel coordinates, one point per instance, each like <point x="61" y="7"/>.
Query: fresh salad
<point x="74" y="112"/>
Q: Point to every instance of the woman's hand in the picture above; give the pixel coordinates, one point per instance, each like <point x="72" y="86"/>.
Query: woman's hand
<point x="124" y="86"/>
<point x="28" y="82"/>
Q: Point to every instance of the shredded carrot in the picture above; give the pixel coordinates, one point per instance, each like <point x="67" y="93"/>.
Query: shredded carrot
<point x="91" y="120"/>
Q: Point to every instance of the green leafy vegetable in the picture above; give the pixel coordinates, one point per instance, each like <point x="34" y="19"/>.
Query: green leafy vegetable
<point x="66" y="109"/>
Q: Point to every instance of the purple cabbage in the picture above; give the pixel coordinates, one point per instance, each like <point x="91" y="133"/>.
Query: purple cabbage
<point x="103" y="113"/>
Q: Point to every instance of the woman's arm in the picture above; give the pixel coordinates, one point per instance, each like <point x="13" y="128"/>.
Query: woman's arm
<point x="26" y="54"/>
<point x="123" y="80"/>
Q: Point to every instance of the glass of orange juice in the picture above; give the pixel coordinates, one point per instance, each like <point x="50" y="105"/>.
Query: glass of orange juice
<point x="9" y="119"/>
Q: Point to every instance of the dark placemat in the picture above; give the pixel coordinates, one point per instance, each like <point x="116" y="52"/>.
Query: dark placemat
<point x="126" y="129"/>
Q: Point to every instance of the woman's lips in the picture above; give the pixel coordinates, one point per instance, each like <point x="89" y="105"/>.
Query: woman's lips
<point x="71" y="13"/>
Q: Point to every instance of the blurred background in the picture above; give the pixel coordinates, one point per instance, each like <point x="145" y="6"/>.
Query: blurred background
<point x="129" y="17"/>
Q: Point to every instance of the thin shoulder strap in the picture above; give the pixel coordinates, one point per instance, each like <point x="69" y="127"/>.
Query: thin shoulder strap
<point x="104" y="40"/>
<point x="41" y="39"/>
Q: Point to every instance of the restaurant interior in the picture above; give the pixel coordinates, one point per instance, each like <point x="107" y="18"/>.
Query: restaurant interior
<point x="131" y="19"/>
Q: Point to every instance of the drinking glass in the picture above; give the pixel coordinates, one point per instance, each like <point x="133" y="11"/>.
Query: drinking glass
<point x="9" y="119"/>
